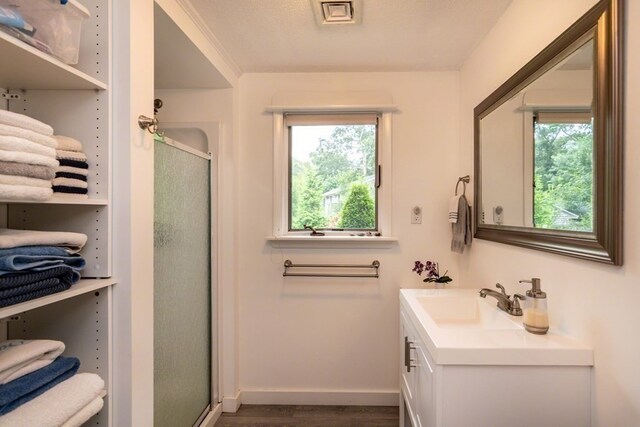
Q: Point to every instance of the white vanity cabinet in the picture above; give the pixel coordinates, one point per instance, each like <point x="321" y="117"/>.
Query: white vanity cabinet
<point x="482" y="379"/>
<point x="417" y="379"/>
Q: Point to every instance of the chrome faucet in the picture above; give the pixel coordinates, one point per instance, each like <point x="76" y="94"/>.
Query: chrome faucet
<point x="504" y="303"/>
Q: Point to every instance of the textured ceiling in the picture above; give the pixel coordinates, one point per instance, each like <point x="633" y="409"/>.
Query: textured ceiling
<point x="395" y="35"/>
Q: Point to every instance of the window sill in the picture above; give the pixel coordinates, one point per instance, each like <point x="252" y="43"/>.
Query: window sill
<point x="348" y="242"/>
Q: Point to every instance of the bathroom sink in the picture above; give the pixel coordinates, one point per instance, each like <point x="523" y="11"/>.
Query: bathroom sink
<point x="460" y="328"/>
<point x="466" y="312"/>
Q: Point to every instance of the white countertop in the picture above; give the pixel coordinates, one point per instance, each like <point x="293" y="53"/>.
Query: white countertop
<point x="459" y="345"/>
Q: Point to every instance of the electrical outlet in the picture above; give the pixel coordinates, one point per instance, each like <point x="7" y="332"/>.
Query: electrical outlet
<point x="416" y="215"/>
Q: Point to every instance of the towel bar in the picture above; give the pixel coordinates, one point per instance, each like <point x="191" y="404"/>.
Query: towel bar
<point x="375" y="265"/>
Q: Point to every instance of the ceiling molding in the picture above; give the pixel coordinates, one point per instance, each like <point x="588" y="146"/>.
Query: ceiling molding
<point x="208" y="34"/>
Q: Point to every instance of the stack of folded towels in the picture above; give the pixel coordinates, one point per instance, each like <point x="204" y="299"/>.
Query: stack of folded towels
<point x="71" y="176"/>
<point x="39" y="387"/>
<point x="27" y="158"/>
<point x="34" y="264"/>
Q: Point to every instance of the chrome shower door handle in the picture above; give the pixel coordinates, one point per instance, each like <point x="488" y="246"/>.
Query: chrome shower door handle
<point x="148" y="123"/>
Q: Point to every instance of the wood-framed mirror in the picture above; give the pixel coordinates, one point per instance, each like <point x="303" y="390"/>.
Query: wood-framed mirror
<point x="548" y="146"/>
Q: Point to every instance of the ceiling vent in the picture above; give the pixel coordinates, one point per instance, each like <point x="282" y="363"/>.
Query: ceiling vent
<point x="337" y="12"/>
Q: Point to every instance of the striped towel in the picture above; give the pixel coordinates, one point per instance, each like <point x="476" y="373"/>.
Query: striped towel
<point x="453" y="209"/>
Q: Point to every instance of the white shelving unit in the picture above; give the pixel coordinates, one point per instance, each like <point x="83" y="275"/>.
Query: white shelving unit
<point x="76" y="102"/>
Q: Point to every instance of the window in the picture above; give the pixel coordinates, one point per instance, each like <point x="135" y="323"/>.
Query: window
<point x="327" y="172"/>
<point x="563" y="171"/>
<point x="333" y="172"/>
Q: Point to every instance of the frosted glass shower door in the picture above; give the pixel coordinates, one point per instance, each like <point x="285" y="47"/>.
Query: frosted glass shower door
<point x="182" y="288"/>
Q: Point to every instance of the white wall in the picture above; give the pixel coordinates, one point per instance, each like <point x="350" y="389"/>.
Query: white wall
<point x="339" y="335"/>
<point x="595" y="303"/>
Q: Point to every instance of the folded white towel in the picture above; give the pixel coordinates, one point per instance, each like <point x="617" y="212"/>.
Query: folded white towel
<point x="58" y="405"/>
<point x="67" y="143"/>
<point x="71" y="169"/>
<point x="70" y="182"/>
<point x="25" y="192"/>
<point x="21" y="357"/>
<point x="28" y="158"/>
<point x="25" y="122"/>
<point x="84" y="414"/>
<point x="10" y="238"/>
<point x="453" y="209"/>
<point x="14" y="143"/>
<point x="24" y="180"/>
<point x="71" y="155"/>
<point x="70" y="196"/>
<point x="29" y="135"/>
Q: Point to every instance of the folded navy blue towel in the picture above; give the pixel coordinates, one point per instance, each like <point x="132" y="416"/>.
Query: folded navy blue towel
<point x="38" y="293"/>
<point x="74" y="163"/>
<point x="37" y="258"/>
<point x="36" y="250"/>
<point x="19" y="279"/>
<point x="71" y="175"/>
<point x="26" y="388"/>
<point x="69" y="189"/>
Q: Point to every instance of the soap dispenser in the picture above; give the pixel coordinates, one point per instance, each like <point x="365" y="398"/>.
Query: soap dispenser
<point x="534" y="315"/>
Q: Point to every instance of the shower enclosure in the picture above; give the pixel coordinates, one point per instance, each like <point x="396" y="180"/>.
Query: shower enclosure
<point x="185" y="386"/>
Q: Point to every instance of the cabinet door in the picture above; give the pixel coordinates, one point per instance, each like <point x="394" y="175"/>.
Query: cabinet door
<point x="424" y="407"/>
<point x="408" y="375"/>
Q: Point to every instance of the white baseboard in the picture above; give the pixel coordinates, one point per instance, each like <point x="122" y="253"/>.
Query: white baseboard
<point x="212" y="416"/>
<point x="231" y="404"/>
<point x="316" y="397"/>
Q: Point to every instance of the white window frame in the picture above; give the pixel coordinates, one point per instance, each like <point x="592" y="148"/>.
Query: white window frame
<point x="281" y="175"/>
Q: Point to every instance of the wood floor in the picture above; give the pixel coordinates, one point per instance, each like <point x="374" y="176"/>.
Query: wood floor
<point x="311" y="416"/>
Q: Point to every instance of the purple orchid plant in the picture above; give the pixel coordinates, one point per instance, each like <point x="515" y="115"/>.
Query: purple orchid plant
<point x="432" y="272"/>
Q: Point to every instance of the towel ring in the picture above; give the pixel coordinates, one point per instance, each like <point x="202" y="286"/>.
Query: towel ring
<point x="464" y="179"/>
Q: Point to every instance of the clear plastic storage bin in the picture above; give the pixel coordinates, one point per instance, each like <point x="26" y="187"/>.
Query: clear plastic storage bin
<point x="56" y="27"/>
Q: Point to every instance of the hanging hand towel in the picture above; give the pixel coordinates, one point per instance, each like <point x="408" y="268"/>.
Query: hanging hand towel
<point x="67" y="143"/>
<point x="28" y="158"/>
<point x="24" y="192"/>
<point x="33" y="171"/>
<point x="10" y="238"/>
<point x="26" y="388"/>
<point x="13" y="143"/>
<point x="59" y="405"/>
<point x="21" y="357"/>
<point x="453" y="209"/>
<point x="29" y="135"/>
<point x="25" y="122"/>
<point x="461" y="230"/>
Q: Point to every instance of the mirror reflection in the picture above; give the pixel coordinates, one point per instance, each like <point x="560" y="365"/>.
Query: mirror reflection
<point x="537" y="150"/>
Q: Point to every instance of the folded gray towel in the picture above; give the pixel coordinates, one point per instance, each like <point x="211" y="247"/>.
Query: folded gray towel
<point x="23" y="169"/>
<point x="461" y="230"/>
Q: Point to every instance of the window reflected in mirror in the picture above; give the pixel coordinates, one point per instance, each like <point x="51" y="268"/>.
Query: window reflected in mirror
<point x="538" y="150"/>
